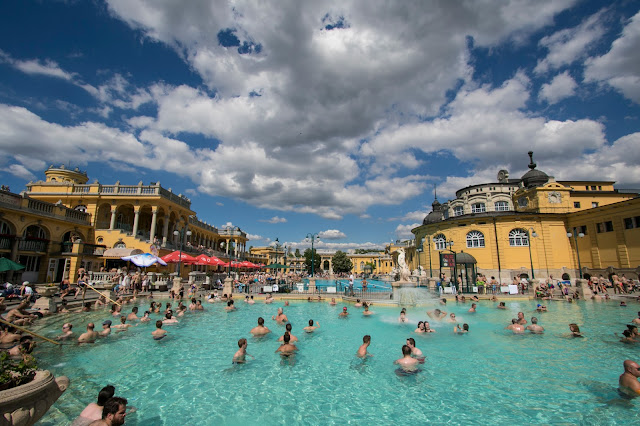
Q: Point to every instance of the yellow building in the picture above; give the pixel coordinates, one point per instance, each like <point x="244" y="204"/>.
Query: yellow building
<point x="527" y="234"/>
<point x="132" y="217"/>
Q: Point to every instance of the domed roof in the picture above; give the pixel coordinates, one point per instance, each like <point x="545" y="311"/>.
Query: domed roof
<point x="534" y="177"/>
<point x="436" y="215"/>
<point x="463" y="257"/>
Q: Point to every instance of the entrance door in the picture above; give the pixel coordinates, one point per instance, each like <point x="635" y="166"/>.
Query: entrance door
<point x="52" y="270"/>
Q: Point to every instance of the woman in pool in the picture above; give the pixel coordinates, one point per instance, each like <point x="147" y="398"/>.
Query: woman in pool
<point x="420" y="328"/>
<point x="145" y="317"/>
<point x="452" y="317"/>
<point x="575" y="330"/>
<point x="159" y="333"/>
<point x="501" y="305"/>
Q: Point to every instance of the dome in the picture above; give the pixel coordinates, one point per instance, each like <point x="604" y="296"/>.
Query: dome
<point x="534" y="177"/>
<point x="436" y="215"/>
<point x="465" y="258"/>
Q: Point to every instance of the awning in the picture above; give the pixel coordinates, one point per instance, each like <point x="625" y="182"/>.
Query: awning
<point x="117" y="253"/>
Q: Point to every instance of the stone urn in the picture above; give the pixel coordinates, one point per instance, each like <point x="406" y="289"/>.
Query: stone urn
<point x="47" y="291"/>
<point x="26" y="404"/>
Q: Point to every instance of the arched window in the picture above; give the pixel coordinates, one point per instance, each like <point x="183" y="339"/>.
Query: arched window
<point x="440" y="242"/>
<point x="475" y="239"/>
<point x="518" y="238"/>
<point x="81" y="208"/>
<point x="35" y="232"/>
<point x="501" y="206"/>
<point x="478" y="208"/>
<point x="361" y="265"/>
<point x="5" y="229"/>
<point x="120" y="244"/>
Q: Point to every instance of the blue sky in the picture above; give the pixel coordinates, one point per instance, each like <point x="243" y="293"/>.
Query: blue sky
<point x="330" y="117"/>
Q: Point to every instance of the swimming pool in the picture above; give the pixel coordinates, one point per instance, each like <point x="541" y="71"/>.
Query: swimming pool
<point x="372" y="285"/>
<point x="487" y="376"/>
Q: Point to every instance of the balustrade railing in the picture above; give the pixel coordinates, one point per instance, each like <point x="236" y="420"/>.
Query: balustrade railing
<point x="40" y="206"/>
<point x="6" y="241"/>
<point x="33" y="245"/>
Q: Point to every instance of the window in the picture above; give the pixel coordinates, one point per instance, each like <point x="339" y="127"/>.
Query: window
<point x="599" y="188"/>
<point x="501" y="206"/>
<point x="604" y="227"/>
<point x="81" y="208"/>
<point x="4" y="228"/>
<point x="593" y="187"/>
<point x="582" y="229"/>
<point x="594" y="204"/>
<point x="458" y="211"/>
<point x="440" y="242"/>
<point x="576" y="204"/>
<point x="586" y="187"/>
<point x="478" y="208"/>
<point x="518" y="238"/>
<point x="475" y="239"/>
<point x="628" y="223"/>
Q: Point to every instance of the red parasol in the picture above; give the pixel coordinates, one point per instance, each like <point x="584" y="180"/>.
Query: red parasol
<point x="175" y="257"/>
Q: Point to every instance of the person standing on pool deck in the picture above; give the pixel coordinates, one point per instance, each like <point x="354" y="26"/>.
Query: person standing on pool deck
<point x="158" y="333"/>
<point x="260" y="329"/>
<point x="292" y="338"/>
<point x="280" y="317"/>
<point x="311" y="328"/>
<point x="628" y="380"/>
<point x="113" y="413"/>
<point x="362" y="350"/>
<point x="407" y="362"/>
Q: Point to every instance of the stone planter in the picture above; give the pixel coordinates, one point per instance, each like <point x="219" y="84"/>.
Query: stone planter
<point x="26" y="404"/>
<point x="46" y="291"/>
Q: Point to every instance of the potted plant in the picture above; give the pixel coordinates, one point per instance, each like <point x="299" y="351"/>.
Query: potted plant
<point x="15" y="373"/>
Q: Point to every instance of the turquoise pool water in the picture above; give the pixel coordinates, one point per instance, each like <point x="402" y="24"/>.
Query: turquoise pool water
<point x="375" y="285"/>
<point x="486" y="377"/>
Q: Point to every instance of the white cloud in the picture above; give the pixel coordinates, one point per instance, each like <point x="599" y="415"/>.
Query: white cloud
<point x="274" y="219"/>
<point x="218" y="203"/>
<point x="571" y="44"/>
<point x="18" y="170"/>
<point x="254" y="237"/>
<point x="620" y="66"/>
<point x="332" y="234"/>
<point x="46" y="67"/>
<point x="404" y="231"/>
<point x="561" y="87"/>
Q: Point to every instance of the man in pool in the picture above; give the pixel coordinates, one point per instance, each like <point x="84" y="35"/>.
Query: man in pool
<point x="333" y="301"/>
<point x="521" y="319"/>
<point x="452" y="317"/>
<point x="366" y="311"/>
<point x="501" y="305"/>
<point x="113" y="413"/>
<point x="407" y="362"/>
<point x="415" y="352"/>
<point x="89" y="336"/>
<point x="344" y="313"/>
<point x="534" y="327"/>
<point x="287" y="348"/>
<point x="362" y="350"/>
<point x="292" y="338"/>
<point x="311" y="328"/>
<point x="106" y="328"/>
<point x="280" y="317"/>
<point x="436" y="314"/>
<point x="515" y="326"/>
<point x="358" y="304"/>
<point x="158" y="333"/>
<point x="241" y="354"/>
<point x="133" y="316"/>
<point x="472" y="308"/>
<point x="575" y="330"/>
<point x="67" y="332"/>
<point x="628" y="380"/>
<point x="260" y="329"/>
<point x="403" y="316"/>
<point x="636" y="320"/>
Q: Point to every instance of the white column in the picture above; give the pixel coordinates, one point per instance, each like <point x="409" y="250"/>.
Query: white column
<point x="152" y="231"/>
<point x="165" y="231"/>
<point x="112" y="225"/>
<point x="136" y="219"/>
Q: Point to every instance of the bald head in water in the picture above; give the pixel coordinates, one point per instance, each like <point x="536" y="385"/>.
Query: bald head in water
<point x="629" y="379"/>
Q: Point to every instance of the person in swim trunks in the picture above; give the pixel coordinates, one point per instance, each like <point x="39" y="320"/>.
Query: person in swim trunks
<point x="159" y="333"/>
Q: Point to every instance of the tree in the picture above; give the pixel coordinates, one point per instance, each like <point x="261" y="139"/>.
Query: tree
<point x="341" y="263"/>
<point x="372" y="265"/>
<point x="307" y="261"/>
<point x="298" y="253"/>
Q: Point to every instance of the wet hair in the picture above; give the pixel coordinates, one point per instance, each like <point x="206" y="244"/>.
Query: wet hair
<point x="444" y="300"/>
<point x="159" y="324"/>
<point x="501" y="304"/>
<point x="87" y="305"/>
<point x="437" y="311"/>
<point x="146" y="312"/>
<point x="134" y="310"/>
<point x="288" y="326"/>
<point x="412" y="340"/>
<point x="242" y="342"/>
<point x="406" y="350"/>
<point x="574" y="327"/>
<point x="168" y="315"/>
<point x="260" y="321"/>
<point x="311" y="322"/>
<point x="626" y="333"/>
<point x="534" y="320"/>
<point x="168" y="305"/>
<point x="112" y="406"/>
<point x="123" y="319"/>
<point x="366" y="339"/>
<point x="105" y="393"/>
<point x="113" y="307"/>
<point x="286" y="337"/>
<point x="514" y="320"/>
<point x="465" y="327"/>
<point x="193" y="300"/>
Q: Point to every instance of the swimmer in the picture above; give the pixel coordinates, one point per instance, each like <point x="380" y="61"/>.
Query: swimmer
<point x="89" y="336"/>
<point x="333" y="301"/>
<point x="115" y="310"/>
<point x="521" y="319"/>
<point x="443" y="301"/>
<point x="403" y="316"/>
<point x="67" y="332"/>
<point x="268" y="299"/>
<point x="362" y="350"/>
<point x="452" y="317"/>
<point x="501" y="305"/>
<point x="240" y="356"/>
<point x="575" y="330"/>
<point x="230" y="306"/>
<point x="461" y="330"/>
<point x="102" y="301"/>
<point x="628" y="337"/>
<point x="159" y="333"/>
<point x="286" y="303"/>
<point x="407" y="362"/>
<point x="311" y="328"/>
<point x="515" y="326"/>
<point x="292" y="338"/>
<point x="86" y="307"/>
<point x="8" y="335"/>
<point x="436" y="314"/>
<point x="427" y="328"/>
<point x="472" y="308"/>
<point x="169" y="318"/>
<point x="145" y="317"/>
<point x="199" y="306"/>
<point x="541" y="308"/>
<point x="251" y="301"/>
<point x="93" y="411"/>
<point x="344" y="313"/>
<point x="628" y="380"/>
<point x="623" y="304"/>
<point x="18" y="316"/>
<point x="260" y="329"/>
<point x="123" y="324"/>
<point x="494" y="298"/>
<point x="280" y="316"/>
<point x="193" y="305"/>
<point x="133" y="316"/>
<point x="113" y="413"/>
<point x="366" y="311"/>
<point x="287" y="348"/>
<point x="534" y="327"/>
<point x="106" y="328"/>
<point x="415" y="352"/>
<point x="420" y="328"/>
<point x="636" y="320"/>
<point x="358" y="304"/>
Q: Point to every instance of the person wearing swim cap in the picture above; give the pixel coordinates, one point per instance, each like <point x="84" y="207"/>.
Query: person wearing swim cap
<point x="344" y="312"/>
<point x="628" y="380"/>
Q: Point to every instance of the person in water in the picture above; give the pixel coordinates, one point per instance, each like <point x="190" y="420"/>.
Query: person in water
<point x="159" y="333"/>
<point x="311" y="328"/>
<point x="292" y="338"/>
<point x="241" y="354"/>
<point x="575" y="330"/>
<point x="362" y="350"/>
<point x="93" y="411"/>
<point x="628" y="380"/>
<point x="260" y="329"/>
<point x="407" y="362"/>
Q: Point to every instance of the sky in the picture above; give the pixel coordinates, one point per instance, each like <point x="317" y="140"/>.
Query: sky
<point x="337" y="118"/>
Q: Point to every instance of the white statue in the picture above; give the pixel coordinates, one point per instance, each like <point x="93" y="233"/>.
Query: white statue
<point x="405" y="272"/>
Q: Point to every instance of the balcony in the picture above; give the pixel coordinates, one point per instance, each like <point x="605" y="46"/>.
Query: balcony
<point x="33" y="245"/>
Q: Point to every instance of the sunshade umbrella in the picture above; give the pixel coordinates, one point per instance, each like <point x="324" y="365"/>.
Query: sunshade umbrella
<point x="203" y="259"/>
<point x="247" y="264"/>
<point x="9" y="265"/>
<point x="175" y="257"/>
<point x="144" y="260"/>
